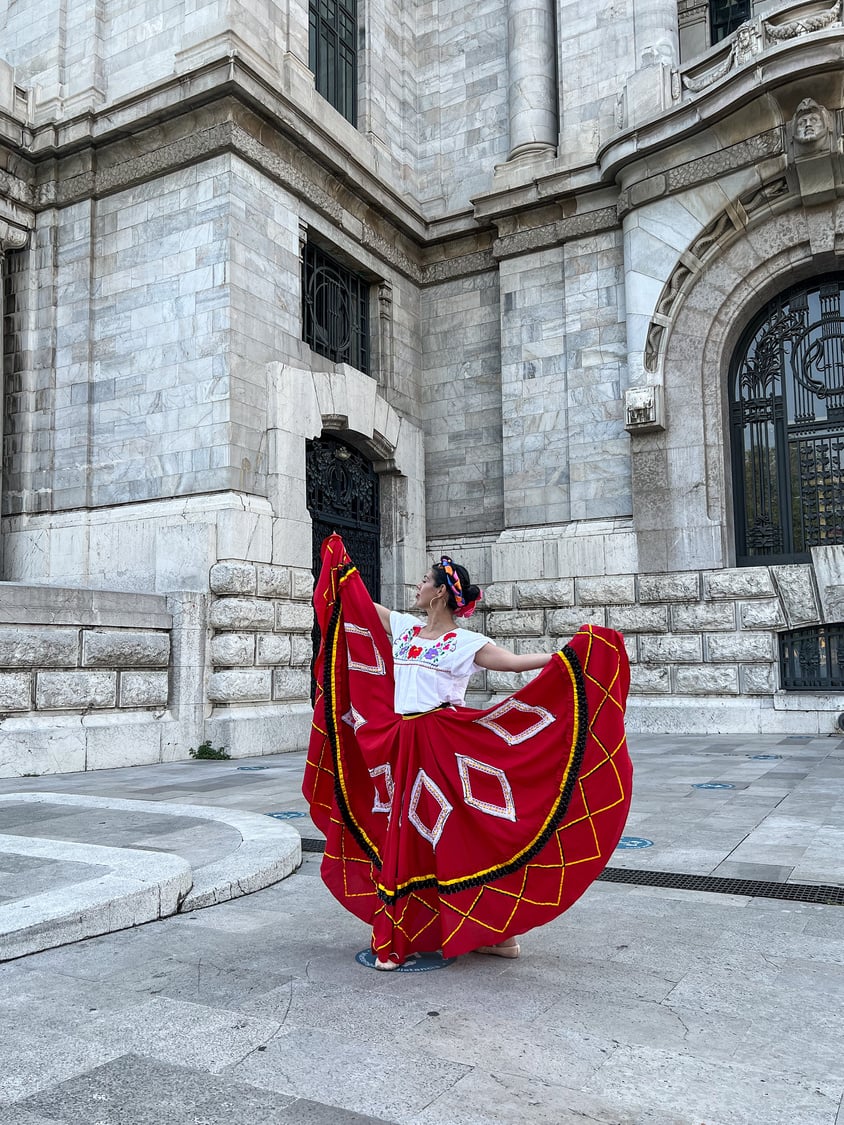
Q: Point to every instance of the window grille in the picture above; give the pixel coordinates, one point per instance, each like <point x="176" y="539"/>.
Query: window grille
<point x="812" y="659"/>
<point x="787" y="426"/>
<point x="725" y="16"/>
<point x="332" y="50"/>
<point x="335" y="309"/>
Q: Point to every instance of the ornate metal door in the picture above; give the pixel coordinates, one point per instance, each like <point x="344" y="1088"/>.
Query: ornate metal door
<point x="787" y="423"/>
<point x="344" y="496"/>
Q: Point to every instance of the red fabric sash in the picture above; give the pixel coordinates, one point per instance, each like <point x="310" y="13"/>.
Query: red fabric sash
<point x="460" y="827"/>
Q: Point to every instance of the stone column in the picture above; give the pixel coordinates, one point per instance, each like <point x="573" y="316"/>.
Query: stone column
<point x="533" y="78"/>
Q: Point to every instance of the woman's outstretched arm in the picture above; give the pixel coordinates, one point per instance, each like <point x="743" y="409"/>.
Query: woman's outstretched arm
<point x="500" y="660"/>
<point x="383" y="616"/>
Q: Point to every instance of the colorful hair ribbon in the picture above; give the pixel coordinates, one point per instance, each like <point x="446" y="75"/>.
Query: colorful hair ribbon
<point x="452" y="580"/>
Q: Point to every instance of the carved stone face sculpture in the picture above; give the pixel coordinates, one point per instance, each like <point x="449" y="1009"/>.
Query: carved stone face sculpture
<point x="810" y="124"/>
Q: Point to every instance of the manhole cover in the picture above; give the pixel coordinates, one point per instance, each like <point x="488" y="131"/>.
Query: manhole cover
<point x="418" y="963"/>
<point x="713" y="785"/>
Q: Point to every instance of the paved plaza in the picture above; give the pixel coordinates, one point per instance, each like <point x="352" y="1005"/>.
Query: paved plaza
<point x="646" y="1003"/>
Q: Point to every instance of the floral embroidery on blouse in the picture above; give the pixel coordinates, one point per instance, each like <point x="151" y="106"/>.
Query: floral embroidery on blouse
<point x="410" y="646"/>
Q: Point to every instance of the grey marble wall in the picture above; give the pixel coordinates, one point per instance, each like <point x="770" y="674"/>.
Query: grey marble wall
<point x="166" y="163"/>
<point x="464" y="461"/>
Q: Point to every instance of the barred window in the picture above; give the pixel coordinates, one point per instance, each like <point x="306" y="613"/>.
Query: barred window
<point x="725" y="16"/>
<point x="332" y="52"/>
<point x="812" y="659"/>
<point x="787" y="426"/>
<point x="335" y="309"/>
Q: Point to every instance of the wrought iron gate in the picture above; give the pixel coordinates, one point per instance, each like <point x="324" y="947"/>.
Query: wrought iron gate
<point x="343" y="493"/>
<point x="344" y="496"/>
<point x="787" y="426"/>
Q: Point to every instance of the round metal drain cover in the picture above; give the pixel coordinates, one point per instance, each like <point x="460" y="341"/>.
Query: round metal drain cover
<point x="633" y="842"/>
<point x="418" y="963"/>
<point x="713" y="785"/>
<point x="288" y="815"/>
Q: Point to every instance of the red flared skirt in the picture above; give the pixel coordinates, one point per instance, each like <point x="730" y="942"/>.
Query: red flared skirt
<point x="460" y="827"/>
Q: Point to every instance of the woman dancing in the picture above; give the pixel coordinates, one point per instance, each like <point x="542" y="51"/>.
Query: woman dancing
<point x="449" y="827"/>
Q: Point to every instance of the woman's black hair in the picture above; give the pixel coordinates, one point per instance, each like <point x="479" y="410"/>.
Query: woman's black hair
<point x="470" y="593"/>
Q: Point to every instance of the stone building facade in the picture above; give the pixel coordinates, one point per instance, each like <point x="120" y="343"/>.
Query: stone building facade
<point x="501" y="262"/>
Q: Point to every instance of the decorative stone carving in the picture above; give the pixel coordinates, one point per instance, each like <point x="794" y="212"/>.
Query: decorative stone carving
<point x="11" y="237"/>
<point x="791" y="29"/>
<point x="554" y="234"/>
<point x="670" y="293"/>
<point x="653" y="345"/>
<point x="725" y="160"/>
<point x="765" y="195"/>
<point x="746" y="45"/>
<point x="644" y="409"/>
<point x="810" y="127"/>
<point x="695" y="84"/>
<point x="720" y="227"/>
<point x="717" y="233"/>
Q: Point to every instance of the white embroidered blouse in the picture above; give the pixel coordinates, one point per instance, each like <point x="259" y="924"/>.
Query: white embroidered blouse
<point x="431" y="672"/>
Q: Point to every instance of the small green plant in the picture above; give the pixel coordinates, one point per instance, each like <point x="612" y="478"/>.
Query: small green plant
<point x="208" y="752"/>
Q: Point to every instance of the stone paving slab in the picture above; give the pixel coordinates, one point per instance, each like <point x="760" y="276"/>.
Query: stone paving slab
<point x="642" y="1005"/>
<point x="638" y="1007"/>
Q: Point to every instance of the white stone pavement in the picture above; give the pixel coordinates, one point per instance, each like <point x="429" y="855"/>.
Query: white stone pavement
<point x="641" y="1005"/>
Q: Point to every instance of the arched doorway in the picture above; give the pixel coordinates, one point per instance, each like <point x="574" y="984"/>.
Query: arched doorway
<point x="344" y="495"/>
<point x="343" y="492"/>
<point x="787" y="426"/>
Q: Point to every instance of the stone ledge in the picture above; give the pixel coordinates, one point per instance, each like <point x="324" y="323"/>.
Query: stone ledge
<point x="139" y="887"/>
<point x="54" y="605"/>
<point x="150" y="884"/>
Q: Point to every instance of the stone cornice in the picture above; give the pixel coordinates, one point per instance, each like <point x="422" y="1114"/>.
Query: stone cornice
<point x="556" y="233"/>
<point x="817" y="54"/>
<point x="226" y="106"/>
<point x="701" y="169"/>
<point x="230" y="75"/>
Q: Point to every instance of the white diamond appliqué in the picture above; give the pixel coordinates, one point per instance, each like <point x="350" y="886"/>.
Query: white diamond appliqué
<point x="543" y="719"/>
<point x="379" y="804"/>
<point x="507" y="809"/>
<point x="375" y="669"/>
<point x="354" y="719"/>
<point x="423" y="782"/>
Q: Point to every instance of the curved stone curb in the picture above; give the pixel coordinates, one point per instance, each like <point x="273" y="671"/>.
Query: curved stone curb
<point x="138" y="887"/>
<point x="269" y="851"/>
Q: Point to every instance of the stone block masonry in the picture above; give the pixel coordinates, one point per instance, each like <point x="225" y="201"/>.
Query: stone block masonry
<point x="93" y="665"/>
<point x="695" y="634"/>
<point x="84" y="679"/>
<point x="261" y="648"/>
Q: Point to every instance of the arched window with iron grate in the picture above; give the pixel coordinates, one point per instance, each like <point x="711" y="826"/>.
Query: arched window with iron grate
<point x="787" y="426"/>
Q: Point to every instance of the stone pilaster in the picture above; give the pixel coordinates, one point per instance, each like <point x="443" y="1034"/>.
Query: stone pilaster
<point x="648" y="90"/>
